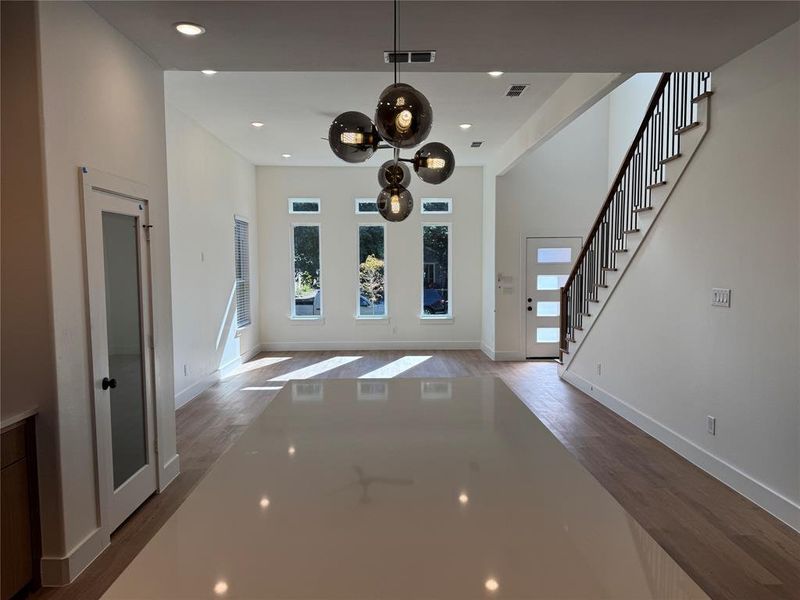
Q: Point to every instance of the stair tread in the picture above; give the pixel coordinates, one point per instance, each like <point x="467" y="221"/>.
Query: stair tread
<point x="637" y="230"/>
<point x="642" y="209"/>
<point x="702" y="96"/>
<point x="621" y="250"/>
<point x="610" y="269"/>
<point x="656" y="184"/>
<point x="686" y="128"/>
<point x="664" y="161"/>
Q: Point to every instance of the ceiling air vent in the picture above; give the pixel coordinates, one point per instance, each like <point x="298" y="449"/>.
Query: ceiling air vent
<point x="409" y="56"/>
<point x="515" y="91"/>
<point x="476" y="144"/>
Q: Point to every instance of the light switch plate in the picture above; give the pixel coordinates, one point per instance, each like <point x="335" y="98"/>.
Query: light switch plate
<point x="711" y="425"/>
<point x="721" y="297"/>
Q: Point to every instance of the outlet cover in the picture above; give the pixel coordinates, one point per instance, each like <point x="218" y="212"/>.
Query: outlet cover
<point x="721" y="297"/>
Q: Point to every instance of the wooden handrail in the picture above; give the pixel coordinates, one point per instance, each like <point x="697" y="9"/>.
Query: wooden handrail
<point x="670" y="113"/>
<point x="662" y="84"/>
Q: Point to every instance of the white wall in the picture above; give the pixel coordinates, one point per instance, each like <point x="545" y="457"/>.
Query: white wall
<point x="732" y="221"/>
<point x="103" y="107"/>
<point x="626" y="107"/>
<point x="555" y="191"/>
<point x="338" y="187"/>
<point x="208" y="184"/>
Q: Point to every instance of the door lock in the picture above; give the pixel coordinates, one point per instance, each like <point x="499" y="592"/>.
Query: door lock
<point x="108" y="383"/>
<point x="530" y="308"/>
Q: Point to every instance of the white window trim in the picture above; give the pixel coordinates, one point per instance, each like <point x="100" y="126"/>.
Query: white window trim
<point x="291" y="202"/>
<point x="449" y="210"/>
<point x="320" y="318"/>
<point x="364" y="199"/>
<point x="385" y="315"/>
<point x="239" y="330"/>
<point x="449" y="315"/>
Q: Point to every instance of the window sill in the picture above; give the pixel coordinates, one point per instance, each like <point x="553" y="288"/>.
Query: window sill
<point x="318" y="320"/>
<point x="368" y="319"/>
<point x="436" y="319"/>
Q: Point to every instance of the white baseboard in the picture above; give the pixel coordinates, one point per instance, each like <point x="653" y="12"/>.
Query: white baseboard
<point x="57" y="571"/>
<point x="361" y="345"/>
<point x="169" y="472"/>
<point x="488" y="351"/>
<point x="198" y="387"/>
<point x="508" y="355"/>
<point x="773" y="502"/>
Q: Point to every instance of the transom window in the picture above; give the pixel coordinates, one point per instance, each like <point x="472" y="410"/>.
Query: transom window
<point x="436" y="205"/>
<point x="366" y="206"/>
<point x="304" y="205"/>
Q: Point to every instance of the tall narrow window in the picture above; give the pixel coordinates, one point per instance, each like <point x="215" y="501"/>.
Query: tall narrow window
<point x="307" y="300"/>
<point x="371" y="271"/>
<point x="436" y="298"/>
<point x="241" y="241"/>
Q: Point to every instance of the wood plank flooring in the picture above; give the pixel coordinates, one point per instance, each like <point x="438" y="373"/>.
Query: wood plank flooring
<point x="732" y="548"/>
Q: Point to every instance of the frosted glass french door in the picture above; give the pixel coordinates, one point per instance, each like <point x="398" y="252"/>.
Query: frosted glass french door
<point x="548" y="263"/>
<point x="117" y="273"/>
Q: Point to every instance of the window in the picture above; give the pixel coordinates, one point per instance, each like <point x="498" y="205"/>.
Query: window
<point x="437" y="205"/>
<point x="241" y="257"/>
<point x="554" y="255"/>
<point x="547" y="335"/>
<point x="436" y="300"/>
<point x="548" y="309"/>
<point x="304" y="205"/>
<point x="550" y="282"/>
<point x="371" y="271"/>
<point x="307" y="291"/>
<point x="366" y="205"/>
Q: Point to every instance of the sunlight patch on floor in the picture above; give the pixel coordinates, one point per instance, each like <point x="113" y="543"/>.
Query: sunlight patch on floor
<point x="317" y="368"/>
<point x="259" y="363"/>
<point x="396" y="367"/>
<point x="264" y="388"/>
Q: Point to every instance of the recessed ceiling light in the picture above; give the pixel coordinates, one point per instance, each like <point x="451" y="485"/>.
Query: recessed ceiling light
<point x="221" y="588"/>
<point x="465" y="125"/>
<point x="257" y="124"/>
<point x="291" y="450"/>
<point x="208" y="72"/>
<point x="491" y="584"/>
<point x="495" y="73"/>
<point x="190" y="29"/>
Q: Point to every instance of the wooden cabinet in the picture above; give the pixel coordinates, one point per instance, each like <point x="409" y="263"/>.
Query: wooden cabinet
<point x="18" y="508"/>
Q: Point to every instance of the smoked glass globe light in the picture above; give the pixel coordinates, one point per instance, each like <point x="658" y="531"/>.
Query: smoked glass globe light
<point x="394" y="173"/>
<point x="352" y="137"/>
<point x="403" y="116"/>
<point x="395" y="203"/>
<point x="434" y="162"/>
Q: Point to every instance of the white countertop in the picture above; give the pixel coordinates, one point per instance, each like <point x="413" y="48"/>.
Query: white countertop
<point x="400" y="489"/>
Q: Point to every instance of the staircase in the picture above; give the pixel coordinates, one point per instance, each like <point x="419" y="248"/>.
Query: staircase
<point x="673" y="127"/>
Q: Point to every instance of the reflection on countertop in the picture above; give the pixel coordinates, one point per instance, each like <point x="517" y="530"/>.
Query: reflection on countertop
<point x="399" y="489"/>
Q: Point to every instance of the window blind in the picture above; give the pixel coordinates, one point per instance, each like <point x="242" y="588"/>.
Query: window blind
<point x="241" y="240"/>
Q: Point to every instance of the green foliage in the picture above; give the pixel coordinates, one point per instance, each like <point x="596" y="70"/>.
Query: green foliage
<point x="371" y="278"/>
<point x="306" y="259"/>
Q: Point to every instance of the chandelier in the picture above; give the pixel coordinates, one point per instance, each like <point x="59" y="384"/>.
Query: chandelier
<point x="403" y="120"/>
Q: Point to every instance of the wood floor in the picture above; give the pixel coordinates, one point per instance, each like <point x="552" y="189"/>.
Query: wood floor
<point x="729" y="546"/>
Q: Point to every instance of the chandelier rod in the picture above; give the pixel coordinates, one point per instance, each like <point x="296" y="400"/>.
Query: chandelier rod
<point x="395" y="42"/>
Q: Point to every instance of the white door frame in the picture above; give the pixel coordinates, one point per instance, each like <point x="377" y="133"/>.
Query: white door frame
<point x="104" y="191"/>
<point x="523" y="282"/>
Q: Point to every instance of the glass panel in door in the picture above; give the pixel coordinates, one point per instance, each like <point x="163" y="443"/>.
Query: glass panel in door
<point x="125" y="356"/>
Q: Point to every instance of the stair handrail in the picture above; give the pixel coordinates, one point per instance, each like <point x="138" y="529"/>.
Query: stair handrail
<point x="648" y="115"/>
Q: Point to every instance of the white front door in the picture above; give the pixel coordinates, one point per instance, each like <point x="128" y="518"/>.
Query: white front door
<point x="548" y="263"/>
<point x="118" y="275"/>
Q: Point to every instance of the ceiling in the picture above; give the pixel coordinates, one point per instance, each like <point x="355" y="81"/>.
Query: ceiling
<point x="468" y="36"/>
<point x="297" y="109"/>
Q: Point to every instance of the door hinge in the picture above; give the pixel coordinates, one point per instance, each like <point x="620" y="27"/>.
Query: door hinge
<point x="147" y="229"/>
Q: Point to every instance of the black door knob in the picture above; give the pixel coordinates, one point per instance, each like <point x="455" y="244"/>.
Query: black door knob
<point x="530" y="308"/>
<point x="108" y="383"/>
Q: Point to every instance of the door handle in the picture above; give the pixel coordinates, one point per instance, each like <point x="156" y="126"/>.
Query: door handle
<point x="108" y="383"/>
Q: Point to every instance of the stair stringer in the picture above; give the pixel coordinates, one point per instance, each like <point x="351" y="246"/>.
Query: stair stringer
<point x="673" y="170"/>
